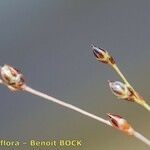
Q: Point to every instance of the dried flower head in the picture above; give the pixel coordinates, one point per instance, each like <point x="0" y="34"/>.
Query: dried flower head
<point x="121" y="90"/>
<point x="120" y="123"/>
<point x="102" y="55"/>
<point x="12" y="77"/>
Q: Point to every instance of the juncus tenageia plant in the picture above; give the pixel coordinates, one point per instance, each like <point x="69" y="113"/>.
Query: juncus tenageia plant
<point x="121" y="90"/>
<point x="14" y="80"/>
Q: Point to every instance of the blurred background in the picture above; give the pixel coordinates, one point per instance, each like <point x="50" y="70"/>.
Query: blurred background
<point x="49" y="41"/>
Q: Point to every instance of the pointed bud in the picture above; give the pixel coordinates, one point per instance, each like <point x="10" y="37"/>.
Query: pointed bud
<point x="120" y="123"/>
<point x="102" y="55"/>
<point x="121" y="90"/>
<point x="12" y="78"/>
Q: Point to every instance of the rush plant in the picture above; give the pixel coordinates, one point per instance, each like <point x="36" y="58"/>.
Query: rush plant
<point x="119" y="89"/>
<point x="14" y="80"/>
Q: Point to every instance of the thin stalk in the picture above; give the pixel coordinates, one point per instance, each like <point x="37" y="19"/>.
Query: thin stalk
<point x="72" y="107"/>
<point x="121" y="75"/>
<point x="81" y="111"/>
<point x="145" y="105"/>
<point x="141" y="138"/>
<point x="137" y="98"/>
<point x="1" y="81"/>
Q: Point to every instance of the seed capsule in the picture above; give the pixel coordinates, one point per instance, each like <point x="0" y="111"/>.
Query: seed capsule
<point x="121" y="90"/>
<point x="120" y="123"/>
<point x="102" y="55"/>
<point x="12" y="77"/>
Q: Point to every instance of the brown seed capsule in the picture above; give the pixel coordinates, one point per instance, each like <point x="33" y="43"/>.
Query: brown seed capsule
<point x="12" y="77"/>
<point x="121" y="90"/>
<point x="102" y="55"/>
<point x="120" y="123"/>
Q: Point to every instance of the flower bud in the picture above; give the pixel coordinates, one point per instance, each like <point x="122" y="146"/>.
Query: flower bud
<point x="120" y="123"/>
<point x="121" y="90"/>
<point x="102" y="55"/>
<point x="11" y="77"/>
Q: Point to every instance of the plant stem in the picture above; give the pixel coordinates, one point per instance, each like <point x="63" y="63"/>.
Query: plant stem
<point x="141" y="138"/>
<point x="121" y="75"/>
<point x="146" y="106"/>
<point x="1" y="82"/>
<point x="137" y="98"/>
<point x="72" y="107"/>
<point x="50" y="98"/>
